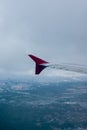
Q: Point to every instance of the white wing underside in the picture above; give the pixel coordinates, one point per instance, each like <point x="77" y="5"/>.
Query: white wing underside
<point x="74" y="68"/>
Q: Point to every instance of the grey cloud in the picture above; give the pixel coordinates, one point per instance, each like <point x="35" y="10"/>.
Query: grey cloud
<point x="55" y="30"/>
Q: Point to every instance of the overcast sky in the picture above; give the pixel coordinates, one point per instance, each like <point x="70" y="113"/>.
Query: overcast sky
<point x="55" y="30"/>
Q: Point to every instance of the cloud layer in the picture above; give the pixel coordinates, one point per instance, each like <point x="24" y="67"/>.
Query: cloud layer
<point x="54" y="30"/>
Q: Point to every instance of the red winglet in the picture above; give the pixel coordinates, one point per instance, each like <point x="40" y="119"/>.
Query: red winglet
<point x="39" y="63"/>
<point x="37" y="60"/>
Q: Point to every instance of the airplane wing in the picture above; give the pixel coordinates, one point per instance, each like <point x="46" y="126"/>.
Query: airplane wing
<point x="42" y="64"/>
<point x="74" y="68"/>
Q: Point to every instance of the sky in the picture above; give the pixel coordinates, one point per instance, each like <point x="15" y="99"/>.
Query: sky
<point x="55" y="30"/>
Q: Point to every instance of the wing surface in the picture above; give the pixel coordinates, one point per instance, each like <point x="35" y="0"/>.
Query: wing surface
<point x="74" y="68"/>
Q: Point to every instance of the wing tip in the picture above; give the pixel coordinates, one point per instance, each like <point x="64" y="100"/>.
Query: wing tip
<point x="39" y="63"/>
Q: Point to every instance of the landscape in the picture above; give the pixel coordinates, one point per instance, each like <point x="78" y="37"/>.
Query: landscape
<point x="43" y="104"/>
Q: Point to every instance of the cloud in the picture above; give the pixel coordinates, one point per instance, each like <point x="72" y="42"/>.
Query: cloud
<point x="55" y="30"/>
